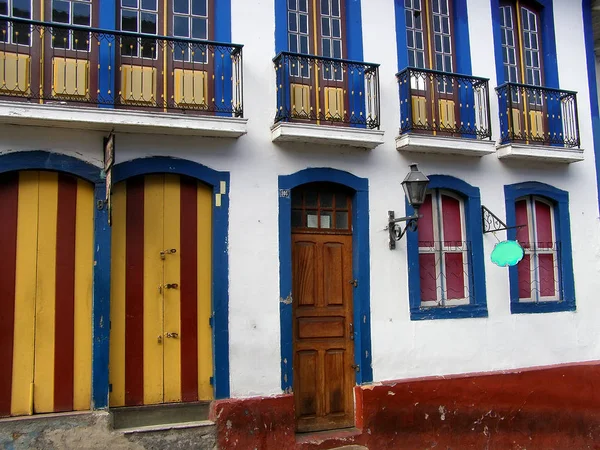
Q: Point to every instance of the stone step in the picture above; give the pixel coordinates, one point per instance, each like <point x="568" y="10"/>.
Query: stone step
<point x="135" y="417"/>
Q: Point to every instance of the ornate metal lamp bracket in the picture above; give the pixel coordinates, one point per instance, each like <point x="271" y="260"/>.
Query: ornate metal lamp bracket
<point x="492" y="223"/>
<point x="396" y="231"/>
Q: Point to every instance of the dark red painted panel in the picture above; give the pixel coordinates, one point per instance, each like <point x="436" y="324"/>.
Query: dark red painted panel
<point x="64" y="331"/>
<point x="134" y="293"/>
<point x="425" y="229"/>
<point x="521" y="218"/>
<point x="189" y="289"/>
<point x="451" y="221"/>
<point x="455" y="275"/>
<point x="546" y="274"/>
<point x="543" y="224"/>
<point x="524" y="276"/>
<point x="428" y="277"/>
<point x="9" y="200"/>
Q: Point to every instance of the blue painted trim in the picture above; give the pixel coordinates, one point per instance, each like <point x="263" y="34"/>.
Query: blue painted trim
<point x="593" y="88"/>
<point x="281" y="39"/>
<point x="562" y="225"/>
<point x="548" y="43"/>
<point x="107" y="20"/>
<point x="220" y="229"/>
<point x="401" y="45"/>
<point x="42" y="160"/>
<point x="474" y="234"/>
<point x="223" y="67"/>
<point x="360" y="268"/>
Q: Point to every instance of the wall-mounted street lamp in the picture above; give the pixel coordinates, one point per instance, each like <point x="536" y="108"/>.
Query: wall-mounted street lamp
<point x="415" y="189"/>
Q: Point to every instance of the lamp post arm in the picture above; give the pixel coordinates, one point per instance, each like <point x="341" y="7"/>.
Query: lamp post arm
<point x="396" y="231"/>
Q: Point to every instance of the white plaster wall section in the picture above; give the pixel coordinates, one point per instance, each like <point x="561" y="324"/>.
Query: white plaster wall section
<point x="85" y="145"/>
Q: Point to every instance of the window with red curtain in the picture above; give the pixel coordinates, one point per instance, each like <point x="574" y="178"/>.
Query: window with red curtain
<point x="443" y="251"/>
<point x="538" y="270"/>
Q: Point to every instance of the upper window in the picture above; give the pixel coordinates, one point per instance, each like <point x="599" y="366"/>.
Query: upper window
<point x="521" y="44"/>
<point x="543" y="279"/>
<point x="139" y="16"/>
<point x="15" y="33"/>
<point x="190" y="20"/>
<point x="445" y="255"/>
<point x="71" y="12"/>
<point x="429" y="34"/>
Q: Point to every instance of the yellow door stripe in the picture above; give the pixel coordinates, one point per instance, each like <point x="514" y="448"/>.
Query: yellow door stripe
<point x="205" y="362"/>
<point x="172" y="297"/>
<point x="46" y="293"/>
<point x="153" y="280"/>
<point x="84" y="257"/>
<point x="25" y="290"/>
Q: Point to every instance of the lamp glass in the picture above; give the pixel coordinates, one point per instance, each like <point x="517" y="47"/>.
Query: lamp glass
<point x="415" y="186"/>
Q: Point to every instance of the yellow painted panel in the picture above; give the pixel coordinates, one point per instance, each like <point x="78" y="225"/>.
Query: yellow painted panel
<point x="70" y="77"/>
<point x="153" y="278"/>
<point x="300" y="97"/>
<point x="117" y="295"/>
<point x="15" y="73"/>
<point x="334" y="103"/>
<point x="205" y="359"/>
<point x="419" y="111"/>
<point x="84" y="263"/>
<point x="23" y="346"/>
<point x="172" y="297"/>
<point x="191" y="87"/>
<point x="516" y="121"/>
<point x="138" y="84"/>
<point x="536" y="119"/>
<point x="447" y="116"/>
<point x="43" y="392"/>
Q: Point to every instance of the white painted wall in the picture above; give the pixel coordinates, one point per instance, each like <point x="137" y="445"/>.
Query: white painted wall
<point x="401" y="348"/>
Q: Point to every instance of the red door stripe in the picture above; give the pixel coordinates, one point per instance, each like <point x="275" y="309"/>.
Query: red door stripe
<point x="9" y="198"/>
<point x="189" y="289"/>
<point x="134" y="293"/>
<point x="64" y="334"/>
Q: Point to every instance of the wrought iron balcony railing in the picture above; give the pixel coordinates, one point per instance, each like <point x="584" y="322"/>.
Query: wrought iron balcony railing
<point x="538" y="115"/>
<point x="50" y="62"/>
<point x="326" y="90"/>
<point x="444" y="103"/>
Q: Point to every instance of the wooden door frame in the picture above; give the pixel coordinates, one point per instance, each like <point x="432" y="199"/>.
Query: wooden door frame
<point x="360" y="268"/>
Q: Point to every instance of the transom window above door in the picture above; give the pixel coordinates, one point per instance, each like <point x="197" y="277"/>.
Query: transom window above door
<point x="321" y="207"/>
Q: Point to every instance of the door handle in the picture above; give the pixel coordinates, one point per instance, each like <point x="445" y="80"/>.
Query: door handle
<point x="171" y="286"/>
<point x="166" y="252"/>
<point x="172" y="335"/>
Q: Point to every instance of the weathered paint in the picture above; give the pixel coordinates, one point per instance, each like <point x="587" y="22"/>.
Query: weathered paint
<point x="51" y="216"/>
<point x="536" y="408"/>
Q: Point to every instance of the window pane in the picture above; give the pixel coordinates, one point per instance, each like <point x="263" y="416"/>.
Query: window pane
<point x="427" y="275"/>
<point x="199" y="29"/>
<point x="326" y="219"/>
<point x="129" y="3"/>
<point x="181" y="6"/>
<point x="409" y="19"/>
<point x="543" y="225"/>
<point x="335" y="8"/>
<point x="292" y="4"/>
<point x="4" y="7"/>
<point x="410" y="38"/>
<point x="148" y="23"/>
<point x="524" y="276"/>
<point x="337" y="49"/>
<point x="310" y="199"/>
<point x="303" y="44"/>
<point x="336" y="28"/>
<point x="22" y="8"/>
<point x="149" y="5"/>
<point x="303" y="23"/>
<point x="425" y="229"/>
<point x="292" y="25"/>
<point x="325" y="31"/>
<point x="60" y="11"/>
<point x="180" y="51"/>
<point x="325" y="7"/>
<point x="326" y="200"/>
<point x="419" y="41"/>
<point x="81" y="40"/>
<point x="455" y="275"/>
<point x="82" y="14"/>
<point x="546" y="274"/>
<point x="303" y="5"/>
<point x="436" y="24"/>
<point x="312" y="219"/>
<point x="60" y="38"/>
<point x="199" y="8"/>
<point x="181" y="26"/>
<point x="293" y="43"/>
<point x="438" y="43"/>
<point x="129" y="46"/>
<point x="341" y="220"/>
<point x="129" y="21"/>
<point x="451" y="219"/>
<point x="296" y="218"/>
<point x="148" y="48"/>
<point x="420" y="60"/>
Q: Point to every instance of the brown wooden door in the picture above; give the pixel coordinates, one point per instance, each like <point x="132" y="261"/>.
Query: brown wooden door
<point x="323" y="345"/>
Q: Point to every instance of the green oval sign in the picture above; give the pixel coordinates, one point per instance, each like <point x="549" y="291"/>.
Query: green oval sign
<point x="507" y="253"/>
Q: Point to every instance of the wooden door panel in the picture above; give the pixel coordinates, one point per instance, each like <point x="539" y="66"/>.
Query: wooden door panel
<point x="324" y="352"/>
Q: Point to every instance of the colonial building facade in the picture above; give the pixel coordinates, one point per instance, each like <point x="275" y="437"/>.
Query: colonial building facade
<point x="195" y="205"/>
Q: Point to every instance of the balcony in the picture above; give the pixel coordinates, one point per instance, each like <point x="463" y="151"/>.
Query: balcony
<point x="71" y="76"/>
<point x="326" y="101"/>
<point x="538" y="123"/>
<point x="444" y="113"/>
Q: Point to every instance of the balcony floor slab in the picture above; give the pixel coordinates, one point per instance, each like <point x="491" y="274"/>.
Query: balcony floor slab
<point x="121" y="120"/>
<point x="326" y="135"/>
<point x="425" y="143"/>
<point x="541" y="153"/>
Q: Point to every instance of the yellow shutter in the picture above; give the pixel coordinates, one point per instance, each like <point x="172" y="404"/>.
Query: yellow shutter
<point x="191" y="87"/>
<point x="419" y="111"/>
<point x="334" y="103"/>
<point x="70" y="77"/>
<point x="138" y="84"/>
<point x="447" y="116"/>
<point x="516" y="122"/>
<point x="15" y="75"/>
<point x="536" y="119"/>
<point x="300" y="97"/>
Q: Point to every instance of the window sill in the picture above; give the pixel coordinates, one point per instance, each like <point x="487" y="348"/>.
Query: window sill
<point x="543" y="307"/>
<point x="426" y="143"/>
<point x="121" y="120"/>
<point x="326" y="134"/>
<point x="540" y="153"/>
<point x="452" y="312"/>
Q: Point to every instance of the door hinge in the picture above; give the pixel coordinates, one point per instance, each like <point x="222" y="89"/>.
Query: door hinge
<point x="110" y="387"/>
<point x="354" y="283"/>
<point x="356" y="367"/>
<point x="211" y="380"/>
<point x="210" y="321"/>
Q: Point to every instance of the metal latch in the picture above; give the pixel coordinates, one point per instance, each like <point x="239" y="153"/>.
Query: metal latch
<point x="168" y="251"/>
<point x="167" y="286"/>
<point x="356" y="367"/>
<point x="172" y="335"/>
<point x="354" y="283"/>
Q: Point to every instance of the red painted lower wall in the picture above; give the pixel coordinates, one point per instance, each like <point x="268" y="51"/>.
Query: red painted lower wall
<point x="544" y="408"/>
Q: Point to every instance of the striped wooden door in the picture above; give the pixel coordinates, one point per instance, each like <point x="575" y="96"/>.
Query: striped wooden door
<point x="46" y="269"/>
<point x="161" y="341"/>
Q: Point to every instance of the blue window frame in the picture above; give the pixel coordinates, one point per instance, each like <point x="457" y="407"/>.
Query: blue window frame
<point x="473" y="302"/>
<point x="558" y="200"/>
